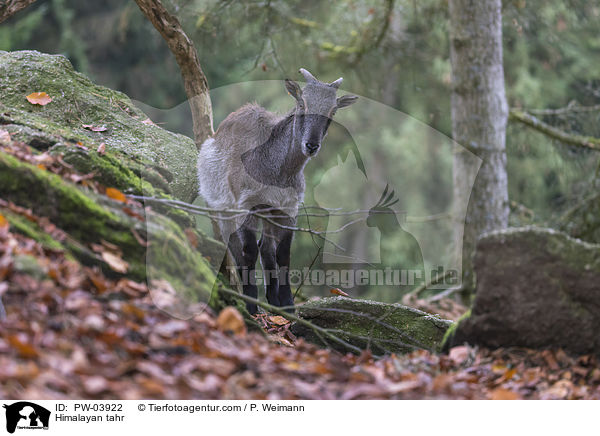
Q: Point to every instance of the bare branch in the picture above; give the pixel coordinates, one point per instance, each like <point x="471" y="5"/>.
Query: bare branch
<point x="196" y="85"/>
<point x="10" y="7"/>
<point x="542" y="127"/>
<point x="320" y="331"/>
<point x="572" y="107"/>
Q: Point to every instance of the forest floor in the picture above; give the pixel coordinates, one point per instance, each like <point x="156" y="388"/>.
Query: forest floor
<point x="72" y="332"/>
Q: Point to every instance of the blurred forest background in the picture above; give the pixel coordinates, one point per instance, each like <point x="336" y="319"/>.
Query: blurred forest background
<point x="392" y="51"/>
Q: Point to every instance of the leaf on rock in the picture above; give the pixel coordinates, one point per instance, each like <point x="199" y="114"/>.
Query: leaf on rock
<point x="115" y="262"/>
<point x="94" y="128"/>
<point x="4" y="136"/>
<point x="191" y="237"/>
<point x="115" y="194"/>
<point x="3" y="222"/>
<point x="40" y="98"/>
<point x="336" y="291"/>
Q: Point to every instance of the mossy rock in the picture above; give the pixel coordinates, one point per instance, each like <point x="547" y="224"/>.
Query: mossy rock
<point x="536" y="288"/>
<point x="160" y="244"/>
<point x="89" y="218"/>
<point x="76" y="101"/>
<point x="380" y="327"/>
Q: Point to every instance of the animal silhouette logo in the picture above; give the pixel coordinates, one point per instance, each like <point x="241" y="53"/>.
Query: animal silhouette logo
<point x="26" y="415"/>
<point x="385" y="219"/>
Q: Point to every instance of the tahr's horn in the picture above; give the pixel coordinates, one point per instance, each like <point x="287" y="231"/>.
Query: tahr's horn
<point x="309" y="77"/>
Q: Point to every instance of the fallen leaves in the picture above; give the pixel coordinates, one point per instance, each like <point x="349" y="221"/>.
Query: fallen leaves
<point x="76" y="333"/>
<point x="230" y="320"/>
<point x="40" y="98"/>
<point x="22" y="347"/>
<point x="278" y="320"/>
<point x="3" y="222"/>
<point x="4" y="136"/>
<point x="504" y="394"/>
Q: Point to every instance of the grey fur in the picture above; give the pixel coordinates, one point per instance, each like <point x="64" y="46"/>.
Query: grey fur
<point x="256" y="160"/>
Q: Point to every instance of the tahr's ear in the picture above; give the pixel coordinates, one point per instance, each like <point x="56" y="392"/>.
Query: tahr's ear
<point x="293" y="89"/>
<point x="346" y="100"/>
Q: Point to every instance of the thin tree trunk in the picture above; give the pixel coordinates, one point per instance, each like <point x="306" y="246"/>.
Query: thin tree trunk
<point x="10" y="7"/>
<point x="196" y="85"/>
<point x="479" y="118"/>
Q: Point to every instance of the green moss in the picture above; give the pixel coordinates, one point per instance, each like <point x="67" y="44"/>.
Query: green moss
<point x="108" y="169"/>
<point x="170" y="254"/>
<point x="80" y="214"/>
<point x="446" y="341"/>
<point x="77" y="101"/>
<point x="30" y="229"/>
<point x="370" y="324"/>
<point x="139" y="158"/>
<point x="27" y="264"/>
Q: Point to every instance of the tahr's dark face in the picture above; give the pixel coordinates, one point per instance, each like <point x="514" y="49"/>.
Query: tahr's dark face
<point x="316" y="105"/>
<point x="314" y="112"/>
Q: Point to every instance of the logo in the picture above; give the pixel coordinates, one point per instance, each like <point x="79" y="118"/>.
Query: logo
<point x="26" y="415"/>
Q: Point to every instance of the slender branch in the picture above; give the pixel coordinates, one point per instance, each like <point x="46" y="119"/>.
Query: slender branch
<point x="292" y="317"/>
<point x="10" y="7"/>
<point x="571" y="139"/>
<point x="194" y="80"/>
<point x="571" y="108"/>
<point x="387" y="18"/>
<point x="415" y="292"/>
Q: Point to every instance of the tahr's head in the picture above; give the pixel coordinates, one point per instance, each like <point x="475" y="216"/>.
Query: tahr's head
<point x="315" y="106"/>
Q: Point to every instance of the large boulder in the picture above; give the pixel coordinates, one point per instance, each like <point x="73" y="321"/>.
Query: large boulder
<point x="536" y="288"/>
<point x="54" y="205"/>
<point x="78" y="102"/>
<point x="583" y="220"/>
<point x="380" y="327"/>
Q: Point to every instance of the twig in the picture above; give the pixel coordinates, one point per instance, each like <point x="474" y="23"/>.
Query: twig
<point x="417" y="344"/>
<point x="572" y="107"/>
<point x="571" y="139"/>
<point x="415" y="292"/>
<point x="446" y="293"/>
<point x="292" y="317"/>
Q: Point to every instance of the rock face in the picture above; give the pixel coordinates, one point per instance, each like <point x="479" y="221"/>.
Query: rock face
<point x="76" y="102"/>
<point x="380" y="327"/>
<point x="158" y="244"/>
<point x="536" y="288"/>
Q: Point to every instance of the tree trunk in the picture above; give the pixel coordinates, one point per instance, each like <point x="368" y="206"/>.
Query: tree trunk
<point x="194" y="80"/>
<point x="11" y="7"/>
<point x="479" y="117"/>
